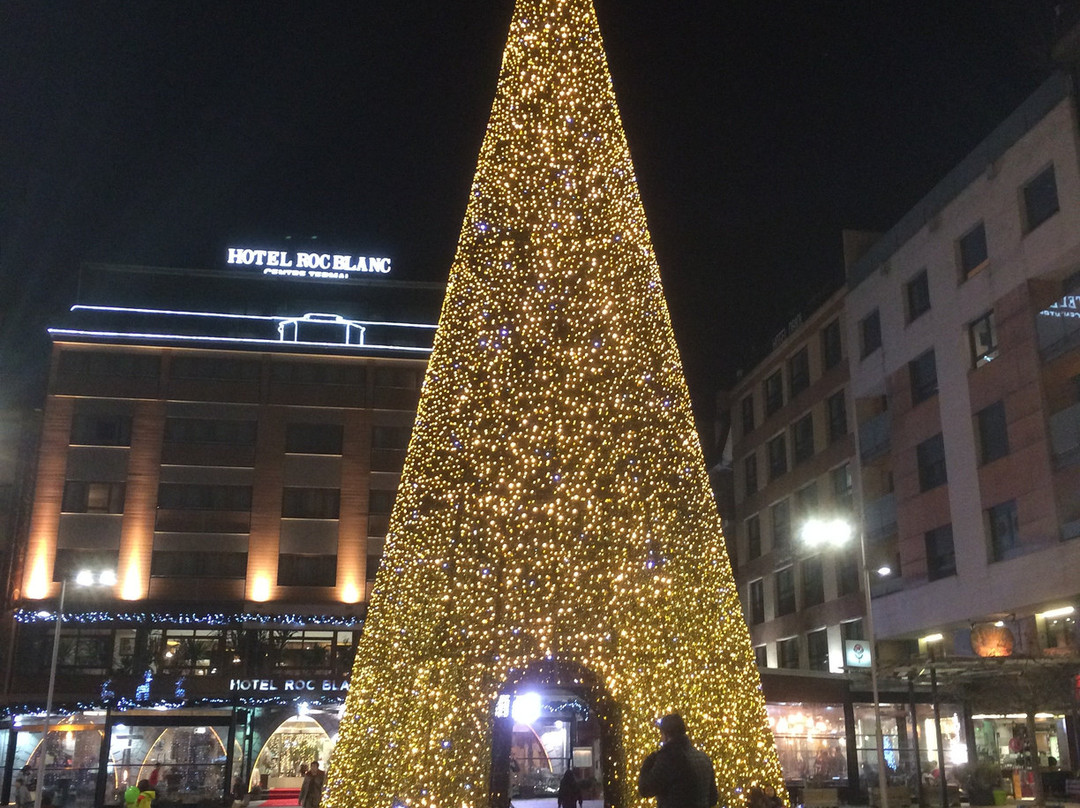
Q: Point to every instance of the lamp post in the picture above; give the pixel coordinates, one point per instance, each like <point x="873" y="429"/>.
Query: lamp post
<point x="819" y="533"/>
<point x="83" y="578"/>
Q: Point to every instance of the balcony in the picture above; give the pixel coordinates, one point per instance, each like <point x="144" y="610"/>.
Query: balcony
<point x="1065" y="436"/>
<point x="879" y="518"/>
<point x="874" y="437"/>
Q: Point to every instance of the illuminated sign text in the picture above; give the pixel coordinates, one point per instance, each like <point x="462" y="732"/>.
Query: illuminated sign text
<point x="307" y="264"/>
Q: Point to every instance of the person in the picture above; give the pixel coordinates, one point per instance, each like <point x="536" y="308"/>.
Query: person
<point x="154" y="775"/>
<point x="311" y="790"/>
<point x="147" y="795"/>
<point x="131" y="796"/>
<point x="239" y="790"/>
<point x="569" y="791"/>
<point x="678" y="774"/>
<point x="21" y="797"/>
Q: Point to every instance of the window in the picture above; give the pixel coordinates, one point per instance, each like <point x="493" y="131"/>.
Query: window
<point x="774" y="393"/>
<point x="215" y="368"/>
<point x="373" y="562"/>
<point x="993" y="433"/>
<point x="817" y="649"/>
<point x="777" y="457"/>
<point x="310" y="503"/>
<point x="321" y="439"/>
<point x="972" y="250"/>
<point x="295" y="569"/>
<point x="1004" y="530"/>
<point x="781" y="526"/>
<point x="787" y="653"/>
<point x="1040" y="199"/>
<point x="785" y="591"/>
<point x="757" y="602"/>
<point x="930" y="455"/>
<point x="83" y="497"/>
<point x="841" y="486"/>
<point x="761" y="656"/>
<point x="748" y="415"/>
<point x="802" y="438"/>
<point x="381" y="502"/>
<point x="750" y="473"/>
<point x="69" y="562"/>
<point x="806" y="501"/>
<point x="88" y="429"/>
<point x="813" y="581"/>
<point x="210" y="430"/>
<point x="196" y="564"/>
<point x="390" y="437"/>
<point x="398" y="377"/>
<point x="117" y="365"/>
<point x="194" y="496"/>
<point x="917" y="293"/>
<point x="923" y="372"/>
<point x="984" y="344"/>
<point x="753" y="538"/>
<point x="940" y="557"/>
<point x="847" y="574"/>
<point x="830" y="345"/>
<point x="852" y="630"/>
<point x="798" y="372"/>
<point x="870" y="333"/>
<point x="836" y="412"/>
<point x="317" y="373"/>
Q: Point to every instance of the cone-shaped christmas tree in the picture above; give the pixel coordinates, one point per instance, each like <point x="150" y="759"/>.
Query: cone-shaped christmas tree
<point x="554" y="507"/>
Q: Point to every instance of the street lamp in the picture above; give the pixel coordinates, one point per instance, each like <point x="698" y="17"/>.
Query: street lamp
<point x="837" y="532"/>
<point x="82" y="578"/>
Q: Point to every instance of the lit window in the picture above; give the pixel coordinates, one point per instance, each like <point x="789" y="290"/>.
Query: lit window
<point x="984" y="344"/>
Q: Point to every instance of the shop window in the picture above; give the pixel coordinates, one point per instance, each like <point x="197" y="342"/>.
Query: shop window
<point x="813" y="581"/>
<point x="210" y="431"/>
<point x="310" y="503"/>
<point x="86" y="497"/>
<point x="318" y="439"/>
<point x="836" y="412"/>
<point x="924" y="380"/>
<point x="917" y="295"/>
<point x="830" y="345"/>
<point x="785" y="591"/>
<point x="972" y="252"/>
<point x="192" y="651"/>
<point x="817" y="649"/>
<point x="781" y="526"/>
<point x="1058" y="634"/>
<point x="750" y="473"/>
<point x="761" y="656"/>
<point x="1040" y="199"/>
<point x="390" y="437"/>
<point x="213" y="368"/>
<point x="940" y="555"/>
<point x="295" y="569"/>
<point x="787" y="653"/>
<point x="798" y="372"/>
<point x="870" y="333"/>
<point x="747" y="406"/>
<point x="777" y="457"/>
<point x="984" y="344"/>
<point x="847" y="575"/>
<point x="757" y="602"/>
<point x="753" y="538"/>
<point x="993" y="432"/>
<point x="70" y="562"/>
<point x="1004" y="526"/>
<point x="198" y="564"/>
<point x="930" y="456"/>
<point x="802" y="438"/>
<point x="89" y="429"/>
<point x="774" y="393"/>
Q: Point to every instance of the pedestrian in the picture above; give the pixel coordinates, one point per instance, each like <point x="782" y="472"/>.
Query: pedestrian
<point x="155" y="775"/>
<point x="569" y="790"/>
<point x="311" y="790"/>
<point x="678" y="774"/>
<point x="22" y="796"/>
<point x="131" y="796"/>
<point x="147" y="795"/>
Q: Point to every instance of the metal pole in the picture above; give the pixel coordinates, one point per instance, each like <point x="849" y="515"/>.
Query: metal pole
<point x="49" y="699"/>
<point x="940" y="742"/>
<point x="883" y="783"/>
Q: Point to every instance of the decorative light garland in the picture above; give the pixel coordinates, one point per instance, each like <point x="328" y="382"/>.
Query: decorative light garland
<point x="188" y="618"/>
<point x="554" y="510"/>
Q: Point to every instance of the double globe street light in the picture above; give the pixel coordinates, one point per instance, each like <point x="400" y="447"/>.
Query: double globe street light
<point x="835" y="533"/>
<point x="82" y="578"/>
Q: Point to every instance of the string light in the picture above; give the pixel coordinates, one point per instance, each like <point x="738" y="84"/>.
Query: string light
<point x="554" y="512"/>
<point x="190" y="618"/>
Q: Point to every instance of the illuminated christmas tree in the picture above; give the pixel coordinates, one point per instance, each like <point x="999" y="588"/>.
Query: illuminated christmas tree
<point x="554" y="512"/>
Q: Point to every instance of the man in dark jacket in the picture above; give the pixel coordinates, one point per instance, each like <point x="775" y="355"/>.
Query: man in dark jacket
<point x="677" y="774"/>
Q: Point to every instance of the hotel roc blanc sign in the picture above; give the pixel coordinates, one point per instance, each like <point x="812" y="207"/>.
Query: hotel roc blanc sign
<point x="299" y="264"/>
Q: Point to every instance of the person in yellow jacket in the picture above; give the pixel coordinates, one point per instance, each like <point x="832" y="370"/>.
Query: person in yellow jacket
<point x="131" y="796"/>
<point x="146" y="795"/>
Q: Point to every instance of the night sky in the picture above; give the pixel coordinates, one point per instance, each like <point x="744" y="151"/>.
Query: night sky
<point x="160" y="132"/>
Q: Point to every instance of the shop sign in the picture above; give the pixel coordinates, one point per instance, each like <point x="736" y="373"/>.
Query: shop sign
<point x="857" y="653"/>
<point x="298" y="264"/>
<point x="288" y="685"/>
